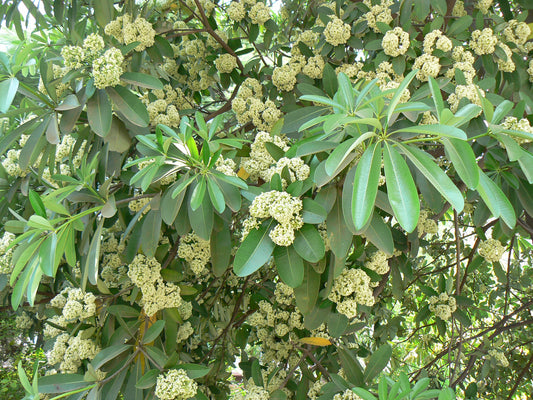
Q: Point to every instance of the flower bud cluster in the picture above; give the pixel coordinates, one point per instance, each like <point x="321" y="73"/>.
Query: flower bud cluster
<point x="443" y="306"/>
<point x="470" y="92"/>
<point x="175" y="385"/>
<point x="284" y="77"/>
<point x="353" y="71"/>
<point x="23" y="321"/>
<point x="499" y="357"/>
<point x="516" y="32"/>
<point x="491" y="250"/>
<point x="69" y="351"/>
<point x="508" y="64"/>
<point x="127" y="32"/>
<point x="483" y="42"/>
<point x="314" y="67"/>
<point x="138" y="204"/>
<point x="196" y="251"/>
<point x="236" y="11"/>
<point x="259" y="13"/>
<point x="518" y="125"/>
<point x="427" y="66"/>
<point x="145" y="273"/>
<point x="426" y="224"/>
<point x="459" y="9"/>
<point x="483" y="5"/>
<point x="282" y="207"/>
<point x="351" y="288"/>
<point x="225" y="63"/>
<point x="347" y="395"/>
<point x="396" y="42"/>
<point x="252" y="392"/>
<point x="463" y="60"/>
<point x="76" y="304"/>
<point x="107" y="69"/>
<point x="379" y="262"/>
<point x="163" y="105"/>
<point x="443" y="43"/>
<point x="337" y="32"/>
<point x="6" y="255"/>
<point x="226" y="165"/>
<point x="378" y="13"/>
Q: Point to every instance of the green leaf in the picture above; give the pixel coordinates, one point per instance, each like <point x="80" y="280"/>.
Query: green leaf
<point x="108" y="354"/>
<point x="323" y="100"/>
<point x="100" y="113"/>
<point x="293" y="120"/>
<point x="398" y="94"/>
<point x="365" y="186"/>
<point x="501" y="111"/>
<point x="103" y="11"/>
<point x="342" y="151"/>
<point x="221" y="251"/>
<point x="8" y="90"/>
<point x="24" y="378"/>
<point x="379" y="233"/>
<point x="47" y="253"/>
<point x="198" y="193"/>
<point x="254" y="251"/>
<point x="201" y="219"/>
<point x="123" y="310"/>
<point x="216" y="195"/>
<point x="313" y="212"/>
<point x="60" y="383"/>
<point x="129" y="105"/>
<point x="148" y="380"/>
<point x="38" y="222"/>
<point x="346" y="90"/>
<point x="151" y="231"/>
<point x="351" y="366"/>
<point x="436" y="95"/>
<point x="462" y="156"/>
<point x="340" y="237"/>
<point x="434" y="175"/>
<point x="195" y="371"/>
<point x="170" y="205"/>
<point x="401" y="189"/>
<point x="306" y="294"/>
<point x="90" y="270"/>
<point x="496" y="200"/>
<point x="290" y="266"/>
<point x="377" y="362"/>
<point x="154" y="331"/>
<point x="438" y="130"/>
<point x="37" y="204"/>
<point x="142" y="80"/>
<point x="309" y="244"/>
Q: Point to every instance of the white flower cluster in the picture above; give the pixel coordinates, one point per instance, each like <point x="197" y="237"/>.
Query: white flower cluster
<point x="51" y="331"/>
<point x="395" y="42"/>
<point x="127" y="32"/>
<point x="464" y="61"/>
<point x="226" y="165"/>
<point x="284" y="208"/>
<point x="491" y="250"/>
<point x="438" y="39"/>
<point x="378" y="13"/>
<point x="483" y="5"/>
<point x="6" y="255"/>
<point x="428" y="119"/>
<point x="499" y="357"/>
<point x="426" y="224"/>
<point x="516" y="32"/>
<point x="196" y="251"/>
<point x="249" y="106"/>
<point x="23" y="321"/>
<point x="76" y="304"/>
<point x="92" y="46"/>
<point x="518" y="125"/>
<point x="508" y="64"/>
<point x="107" y="69"/>
<point x="427" y="66"/>
<point x="175" y="385"/>
<point x="145" y="273"/>
<point x="346" y="395"/>
<point x="337" y="32"/>
<point x="184" y="331"/>
<point x="138" y="204"/>
<point x="378" y="262"/>
<point x="163" y="105"/>
<point x="252" y="392"/>
<point x="225" y="63"/>
<point x="236" y="11"/>
<point x="459" y="9"/>
<point x="351" y="288"/>
<point x="308" y="37"/>
<point x="443" y="306"/>
<point x="114" y="272"/>
<point x="314" y="67"/>
<point x="315" y="390"/>
<point x="483" y="42"/>
<point x="352" y="71"/>
<point x="469" y="92"/>
<point x="73" y="56"/>
<point x="69" y="351"/>
<point x="259" y="13"/>
<point x="284" y="77"/>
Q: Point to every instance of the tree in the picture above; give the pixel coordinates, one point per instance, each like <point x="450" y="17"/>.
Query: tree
<point x="323" y="195"/>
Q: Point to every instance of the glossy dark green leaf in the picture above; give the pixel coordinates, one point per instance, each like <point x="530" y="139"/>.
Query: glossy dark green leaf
<point x="153" y="331"/>
<point x="151" y="231"/>
<point x="103" y="11"/>
<point x="437" y="130"/>
<point x="377" y="362"/>
<point x="148" y="380"/>
<point x="60" y="383"/>
<point x="198" y="193"/>
<point x="379" y="233"/>
<point x="108" y="354"/>
<point x="142" y="80"/>
<point x="100" y="113"/>
<point x="401" y="189"/>
<point x="340" y="237"/>
<point x="37" y="204"/>
<point x="398" y="93"/>
<point x="8" y="90"/>
<point x="90" y="269"/>
<point x="290" y="265"/>
<point x="351" y="366"/>
<point x="498" y="204"/>
<point x="309" y="244"/>
<point x="216" y="195"/>
<point x="201" y="219"/>
<point x="313" y="212"/>
<point x="436" y="95"/>
<point x="47" y="254"/>
<point x="365" y="186"/>
<point x="169" y="205"/>
<point x="129" y="105"/>
<point x="254" y="251"/>
<point x="462" y="156"/>
<point x="221" y="250"/>
<point x="306" y="294"/>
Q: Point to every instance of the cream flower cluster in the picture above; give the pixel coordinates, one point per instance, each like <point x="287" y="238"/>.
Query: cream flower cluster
<point x="184" y="332"/>
<point x="351" y="288"/>
<point x="282" y="207"/>
<point x="284" y="77"/>
<point x="378" y="13"/>
<point x="428" y="119"/>
<point x="163" y="105"/>
<point x="443" y="306"/>
<point x="196" y="251"/>
<point x="92" y="46"/>
<point x="225" y="63"/>
<point x="483" y="42"/>
<point x="314" y="67"/>
<point x="6" y="255"/>
<point x="138" y="204"/>
<point x="346" y="395"/>
<point x="483" y="5"/>
<point x="145" y="273"/>
<point x="175" y="385"/>
<point x="438" y="39"/>
<point x="518" y="125"/>
<point x="499" y="357"/>
<point x="207" y="5"/>
<point x="353" y="71"/>
<point x="260" y="159"/>
<point x="114" y="272"/>
<point x="508" y="64"/>
<point x="395" y="42"/>
<point x="76" y="304"/>
<point x="491" y="250"/>
<point x="236" y="11"/>
<point x="23" y="321"/>
<point x="427" y="66"/>
<point x="469" y="92"/>
<point x="252" y="392"/>
<point x="73" y="56"/>
<point x="60" y="87"/>
<point x="298" y="170"/>
<point x="426" y="224"/>
<point x="127" y="32"/>
<point x="249" y="106"/>
<point x="69" y="351"/>
<point x="379" y="262"/>
<point x="337" y="32"/>
<point x="107" y="68"/>
<point x="463" y="60"/>
<point x="459" y="9"/>
<point x="51" y="331"/>
<point x="308" y="37"/>
<point x="516" y="32"/>
<point x="259" y="13"/>
<point x="226" y="165"/>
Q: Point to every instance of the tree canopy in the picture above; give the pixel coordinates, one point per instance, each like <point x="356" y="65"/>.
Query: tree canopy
<point x="333" y="197"/>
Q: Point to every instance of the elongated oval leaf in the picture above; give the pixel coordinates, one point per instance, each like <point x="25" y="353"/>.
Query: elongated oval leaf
<point x="47" y="253"/>
<point x="309" y="244"/>
<point x="290" y="266"/>
<point x="254" y="251"/>
<point x="142" y="80"/>
<point x="495" y="199"/>
<point x="434" y="175"/>
<point x="100" y="113"/>
<point x="221" y="250"/>
<point x="108" y="354"/>
<point x="378" y="361"/>
<point x="438" y="130"/>
<point x="463" y="158"/>
<point x="306" y="294"/>
<point x="154" y="331"/>
<point x="90" y="270"/>
<point x="129" y="105"/>
<point x="216" y="195"/>
<point x="8" y="90"/>
<point x="401" y="189"/>
<point x="151" y="231"/>
<point x="365" y="186"/>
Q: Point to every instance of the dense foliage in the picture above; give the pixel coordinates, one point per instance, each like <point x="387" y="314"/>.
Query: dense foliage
<point x="334" y="197"/>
